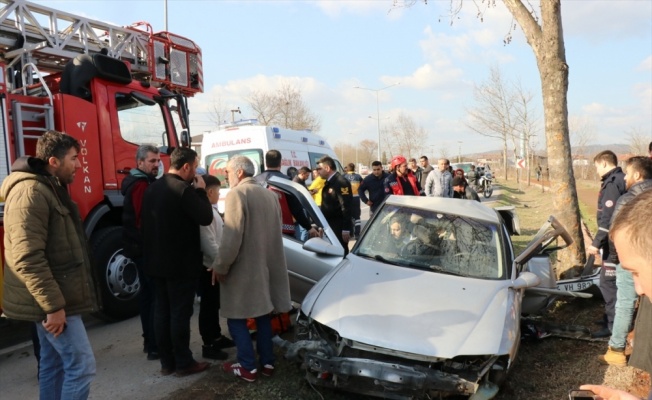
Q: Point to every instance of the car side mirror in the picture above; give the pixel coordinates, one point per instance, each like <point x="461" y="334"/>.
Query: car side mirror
<point x="526" y="280"/>
<point x="323" y="247"/>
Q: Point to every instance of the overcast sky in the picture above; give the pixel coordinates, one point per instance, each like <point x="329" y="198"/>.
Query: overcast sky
<point x="327" y="47"/>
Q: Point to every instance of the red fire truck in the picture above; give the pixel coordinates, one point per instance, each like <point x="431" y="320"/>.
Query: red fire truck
<point x="113" y="88"/>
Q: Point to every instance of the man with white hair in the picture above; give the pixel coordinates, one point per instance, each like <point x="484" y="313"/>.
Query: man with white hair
<point x="251" y="268"/>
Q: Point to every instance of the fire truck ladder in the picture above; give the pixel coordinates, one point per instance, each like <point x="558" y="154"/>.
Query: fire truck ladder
<point x="32" y="33"/>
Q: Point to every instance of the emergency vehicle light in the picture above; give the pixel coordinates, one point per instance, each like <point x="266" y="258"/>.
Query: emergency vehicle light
<point x="277" y="135"/>
<point x="275" y="129"/>
<point x="304" y="139"/>
<point x="321" y="142"/>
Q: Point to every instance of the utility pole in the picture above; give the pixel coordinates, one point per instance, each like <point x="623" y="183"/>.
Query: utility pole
<point x="459" y="151"/>
<point x="233" y="114"/>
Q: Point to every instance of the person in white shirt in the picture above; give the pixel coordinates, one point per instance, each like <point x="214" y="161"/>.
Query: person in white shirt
<point x="209" y="306"/>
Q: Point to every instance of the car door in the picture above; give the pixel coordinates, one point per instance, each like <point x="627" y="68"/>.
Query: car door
<point x="308" y="262"/>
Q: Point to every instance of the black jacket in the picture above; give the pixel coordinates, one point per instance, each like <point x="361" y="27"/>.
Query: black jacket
<point x="336" y="203"/>
<point x="171" y="215"/>
<point x="613" y="186"/>
<point x="293" y="203"/>
<point x="633" y="191"/>
<point x="132" y="239"/>
<point x="375" y="187"/>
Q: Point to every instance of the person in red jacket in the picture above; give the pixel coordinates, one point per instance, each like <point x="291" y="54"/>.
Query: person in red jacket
<point x="401" y="180"/>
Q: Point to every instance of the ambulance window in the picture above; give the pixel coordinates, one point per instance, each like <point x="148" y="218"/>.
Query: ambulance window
<point x="215" y="164"/>
<point x="314" y="159"/>
<point x="140" y="123"/>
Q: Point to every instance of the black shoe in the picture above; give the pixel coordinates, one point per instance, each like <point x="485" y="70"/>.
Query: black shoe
<point x="600" y="322"/>
<point x="195" y="368"/>
<point x="602" y="333"/>
<point x="153" y="355"/>
<point x="213" y="353"/>
<point x="223" y="342"/>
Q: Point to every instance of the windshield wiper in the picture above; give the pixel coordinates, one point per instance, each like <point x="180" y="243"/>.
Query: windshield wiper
<point x="442" y="270"/>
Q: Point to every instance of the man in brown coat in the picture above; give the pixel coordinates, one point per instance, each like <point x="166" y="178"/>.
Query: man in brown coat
<point x="251" y="268"/>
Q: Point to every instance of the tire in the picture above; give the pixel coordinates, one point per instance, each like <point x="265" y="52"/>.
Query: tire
<point x="118" y="280"/>
<point x="488" y="190"/>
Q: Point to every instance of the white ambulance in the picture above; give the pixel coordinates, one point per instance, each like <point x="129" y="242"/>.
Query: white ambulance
<point x="247" y="138"/>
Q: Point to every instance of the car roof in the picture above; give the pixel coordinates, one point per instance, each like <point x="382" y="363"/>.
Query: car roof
<point x="466" y="208"/>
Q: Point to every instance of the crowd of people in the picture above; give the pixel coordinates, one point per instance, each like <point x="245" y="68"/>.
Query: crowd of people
<point x="194" y="250"/>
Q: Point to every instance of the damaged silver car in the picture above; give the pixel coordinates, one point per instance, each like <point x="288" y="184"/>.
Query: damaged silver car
<point x="426" y="305"/>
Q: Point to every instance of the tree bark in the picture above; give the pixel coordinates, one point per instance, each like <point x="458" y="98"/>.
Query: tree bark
<point x="547" y="42"/>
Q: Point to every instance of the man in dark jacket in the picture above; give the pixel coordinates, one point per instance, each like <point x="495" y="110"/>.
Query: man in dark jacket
<point x="133" y="189"/>
<point x="173" y="209"/>
<point x="638" y="179"/>
<point x="462" y="190"/>
<point x="356" y="180"/>
<point x="613" y="186"/>
<point x="48" y="275"/>
<point x="373" y="184"/>
<point x="336" y="201"/>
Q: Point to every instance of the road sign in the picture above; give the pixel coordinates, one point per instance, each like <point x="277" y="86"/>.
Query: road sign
<point x="520" y="163"/>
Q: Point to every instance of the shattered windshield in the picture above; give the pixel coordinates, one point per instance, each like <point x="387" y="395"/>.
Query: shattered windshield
<point x="443" y="243"/>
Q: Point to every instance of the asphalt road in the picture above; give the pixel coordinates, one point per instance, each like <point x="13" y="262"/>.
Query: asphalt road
<point x="123" y="371"/>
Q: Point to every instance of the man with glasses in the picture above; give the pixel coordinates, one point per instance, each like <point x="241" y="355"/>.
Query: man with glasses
<point x="372" y="189"/>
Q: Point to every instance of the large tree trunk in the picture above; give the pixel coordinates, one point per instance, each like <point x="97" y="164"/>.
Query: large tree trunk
<point x="547" y="42"/>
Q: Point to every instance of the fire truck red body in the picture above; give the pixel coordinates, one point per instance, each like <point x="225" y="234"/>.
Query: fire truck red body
<point x="113" y="88"/>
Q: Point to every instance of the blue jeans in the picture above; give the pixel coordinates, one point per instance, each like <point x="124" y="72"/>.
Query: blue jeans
<point x="300" y="233"/>
<point x="245" y="346"/>
<point x="67" y="364"/>
<point x="625" y="302"/>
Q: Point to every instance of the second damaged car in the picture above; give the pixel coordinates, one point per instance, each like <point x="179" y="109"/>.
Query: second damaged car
<point x="426" y="305"/>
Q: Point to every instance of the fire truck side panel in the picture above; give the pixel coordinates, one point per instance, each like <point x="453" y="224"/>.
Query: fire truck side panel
<point x="77" y="118"/>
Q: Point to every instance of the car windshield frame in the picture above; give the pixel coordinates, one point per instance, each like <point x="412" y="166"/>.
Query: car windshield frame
<point x="434" y="241"/>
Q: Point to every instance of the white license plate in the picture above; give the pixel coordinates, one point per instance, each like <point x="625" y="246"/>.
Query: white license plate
<point x="575" y="286"/>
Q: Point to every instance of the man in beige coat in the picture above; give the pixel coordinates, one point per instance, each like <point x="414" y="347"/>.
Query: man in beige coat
<point x="251" y="268"/>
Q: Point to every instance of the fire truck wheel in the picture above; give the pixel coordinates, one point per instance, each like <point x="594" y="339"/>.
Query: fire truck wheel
<point x="117" y="275"/>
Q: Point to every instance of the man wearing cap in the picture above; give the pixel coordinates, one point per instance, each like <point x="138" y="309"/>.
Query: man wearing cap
<point x="461" y="190"/>
<point x="401" y="180"/>
<point x="356" y="180"/>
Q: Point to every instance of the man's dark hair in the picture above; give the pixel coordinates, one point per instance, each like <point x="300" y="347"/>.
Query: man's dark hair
<point x="304" y="170"/>
<point x="141" y="153"/>
<point x="642" y="165"/>
<point x="607" y="156"/>
<point x="423" y="158"/>
<point x="211" y="181"/>
<point x="649" y="148"/>
<point x="181" y="156"/>
<point x="55" y="144"/>
<point x="472" y="166"/>
<point x="351" y="167"/>
<point x="376" y="164"/>
<point x="329" y="162"/>
<point x="414" y="160"/>
<point x="273" y="159"/>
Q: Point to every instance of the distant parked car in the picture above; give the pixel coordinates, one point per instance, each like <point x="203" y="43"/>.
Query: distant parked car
<point x="364" y="170"/>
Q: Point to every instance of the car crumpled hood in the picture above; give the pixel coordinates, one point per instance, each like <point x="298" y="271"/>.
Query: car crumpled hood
<point x="414" y="311"/>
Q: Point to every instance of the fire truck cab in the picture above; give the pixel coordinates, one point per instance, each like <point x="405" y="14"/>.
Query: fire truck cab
<point x="113" y="89"/>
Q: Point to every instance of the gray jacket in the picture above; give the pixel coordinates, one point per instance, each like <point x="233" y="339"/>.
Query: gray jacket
<point x="438" y="184"/>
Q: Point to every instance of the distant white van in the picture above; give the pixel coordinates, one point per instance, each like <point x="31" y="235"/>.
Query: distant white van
<point x="247" y="138"/>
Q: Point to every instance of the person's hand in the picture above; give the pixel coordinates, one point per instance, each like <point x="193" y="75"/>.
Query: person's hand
<point x="607" y="393"/>
<point x="198" y="182"/>
<point x="593" y="250"/>
<point x="370" y="203"/>
<point x="55" y="323"/>
<point x="313" y="232"/>
<point x="346" y="236"/>
<point x="217" y="278"/>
